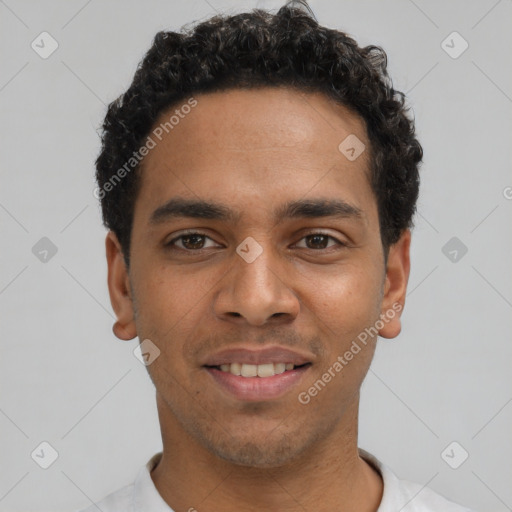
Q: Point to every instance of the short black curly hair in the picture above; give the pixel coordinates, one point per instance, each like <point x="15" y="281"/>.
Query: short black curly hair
<point x="251" y="50"/>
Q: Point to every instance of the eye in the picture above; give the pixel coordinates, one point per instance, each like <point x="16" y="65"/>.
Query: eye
<point x="319" y="240"/>
<point x="190" y="241"/>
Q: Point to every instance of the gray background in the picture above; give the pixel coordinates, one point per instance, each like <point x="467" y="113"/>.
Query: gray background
<point x="67" y="380"/>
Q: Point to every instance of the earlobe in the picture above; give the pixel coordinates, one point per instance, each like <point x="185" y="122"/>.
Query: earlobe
<point x="395" y="288"/>
<point x="119" y="290"/>
<point x="123" y="332"/>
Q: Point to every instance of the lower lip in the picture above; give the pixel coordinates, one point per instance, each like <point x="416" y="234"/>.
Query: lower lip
<point x="256" y="389"/>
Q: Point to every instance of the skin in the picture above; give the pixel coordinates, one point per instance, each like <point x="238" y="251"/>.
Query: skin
<point x="253" y="150"/>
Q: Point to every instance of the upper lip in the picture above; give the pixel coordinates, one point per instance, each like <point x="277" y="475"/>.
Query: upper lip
<point x="256" y="356"/>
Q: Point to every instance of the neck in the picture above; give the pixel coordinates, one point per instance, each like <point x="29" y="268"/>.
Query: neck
<point x="328" y="476"/>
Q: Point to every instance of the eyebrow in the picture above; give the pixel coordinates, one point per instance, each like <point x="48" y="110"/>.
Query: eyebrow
<point x="178" y="207"/>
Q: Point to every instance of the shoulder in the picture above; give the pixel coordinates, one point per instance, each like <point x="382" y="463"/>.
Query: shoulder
<point x="414" y="497"/>
<point x="115" y="501"/>
<point x="408" y="496"/>
<point x="139" y="495"/>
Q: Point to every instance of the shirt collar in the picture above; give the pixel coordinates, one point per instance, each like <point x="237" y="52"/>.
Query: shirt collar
<point x="146" y="496"/>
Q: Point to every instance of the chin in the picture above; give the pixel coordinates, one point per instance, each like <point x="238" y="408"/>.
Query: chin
<point x="256" y="455"/>
<point x="256" y="449"/>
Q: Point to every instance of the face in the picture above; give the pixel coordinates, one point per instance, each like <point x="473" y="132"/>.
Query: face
<point x="256" y="246"/>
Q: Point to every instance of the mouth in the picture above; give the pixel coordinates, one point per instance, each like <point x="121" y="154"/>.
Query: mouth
<point x="257" y="370"/>
<point x="257" y="382"/>
<point x="257" y="374"/>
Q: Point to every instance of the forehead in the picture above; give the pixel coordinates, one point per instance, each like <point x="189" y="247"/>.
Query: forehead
<point x="264" y="143"/>
<point x="259" y="118"/>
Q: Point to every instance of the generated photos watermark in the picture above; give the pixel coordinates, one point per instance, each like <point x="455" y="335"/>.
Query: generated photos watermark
<point x="151" y="142"/>
<point x="363" y="337"/>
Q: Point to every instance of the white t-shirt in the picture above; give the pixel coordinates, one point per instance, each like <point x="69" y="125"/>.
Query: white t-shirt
<point x="398" y="495"/>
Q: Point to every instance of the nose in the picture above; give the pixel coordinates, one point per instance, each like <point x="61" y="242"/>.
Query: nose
<point x="257" y="292"/>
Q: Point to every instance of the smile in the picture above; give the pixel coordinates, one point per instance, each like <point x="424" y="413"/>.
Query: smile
<point x="256" y="370"/>
<point x="257" y="382"/>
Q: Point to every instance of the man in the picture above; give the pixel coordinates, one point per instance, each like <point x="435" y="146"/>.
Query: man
<point x="258" y="180"/>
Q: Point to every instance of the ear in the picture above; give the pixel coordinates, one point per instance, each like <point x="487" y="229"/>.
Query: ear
<point x="119" y="289"/>
<point x="395" y="287"/>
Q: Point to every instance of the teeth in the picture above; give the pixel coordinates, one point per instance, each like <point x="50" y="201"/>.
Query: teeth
<point x="249" y="370"/>
<point x="256" y="370"/>
<point x="234" y="368"/>
<point x="265" y="370"/>
<point x="281" y="367"/>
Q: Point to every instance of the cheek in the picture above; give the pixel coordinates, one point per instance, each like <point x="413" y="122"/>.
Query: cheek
<point x="167" y="301"/>
<point x="348" y="293"/>
<point x="342" y="307"/>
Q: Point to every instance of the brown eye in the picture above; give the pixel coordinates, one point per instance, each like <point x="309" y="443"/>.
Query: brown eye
<point x="193" y="241"/>
<point x="319" y="241"/>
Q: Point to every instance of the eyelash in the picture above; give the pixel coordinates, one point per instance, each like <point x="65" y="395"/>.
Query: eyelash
<point x="170" y="245"/>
